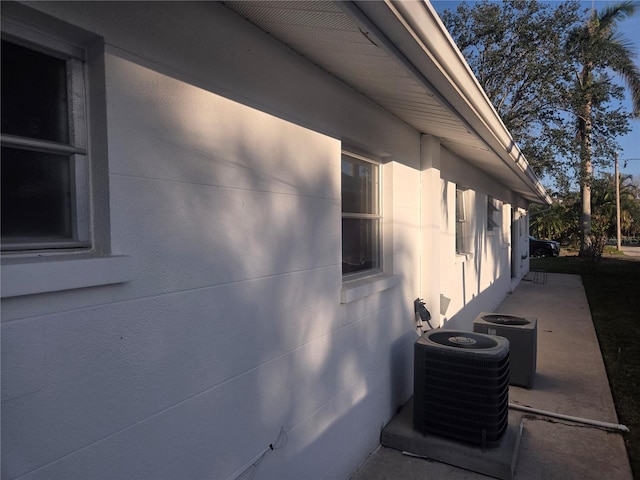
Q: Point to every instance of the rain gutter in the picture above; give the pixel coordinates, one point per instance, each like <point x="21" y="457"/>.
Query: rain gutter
<point x="413" y="31"/>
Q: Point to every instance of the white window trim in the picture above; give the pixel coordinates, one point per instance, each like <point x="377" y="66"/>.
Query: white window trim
<point x="57" y="275"/>
<point x="506" y="225"/>
<point x="492" y="225"/>
<point x="463" y="220"/>
<point x="77" y="150"/>
<point x="379" y="216"/>
<point x="37" y="272"/>
<point x="358" y="288"/>
<point x="359" y="285"/>
<point x="463" y="257"/>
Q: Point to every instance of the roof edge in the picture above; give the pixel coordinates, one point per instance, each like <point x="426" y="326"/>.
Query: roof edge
<point x="423" y="24"/>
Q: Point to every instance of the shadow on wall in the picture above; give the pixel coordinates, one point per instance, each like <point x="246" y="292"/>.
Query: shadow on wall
<point x="247" y="210"/>
<point x="232" y="327"/>
<point x="467" y="281"/>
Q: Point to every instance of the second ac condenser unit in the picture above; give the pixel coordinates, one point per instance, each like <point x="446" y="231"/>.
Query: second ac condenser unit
<point x="522" y="334"/>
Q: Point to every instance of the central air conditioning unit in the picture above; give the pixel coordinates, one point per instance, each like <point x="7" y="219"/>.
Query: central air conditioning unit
<point x="461" y="386"/>
<point x="522" y="334"/>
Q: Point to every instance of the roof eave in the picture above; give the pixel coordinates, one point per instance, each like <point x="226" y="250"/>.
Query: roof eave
<point x="416" y="31"/>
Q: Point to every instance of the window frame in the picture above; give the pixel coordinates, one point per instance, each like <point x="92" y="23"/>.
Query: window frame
<point x="506" y="224"/>
<point x="461" y="220"/>
<point x="76" y="150"/>
<point x="492" y="209"/>
<point x="33" y="272"/>
<point x="377" y="216"/>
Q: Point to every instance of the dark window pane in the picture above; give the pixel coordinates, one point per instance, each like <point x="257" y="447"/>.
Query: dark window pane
<point x="360" y="249"/>
<point x="34" y="94"/>
<point x="359" y="186"/>
<point x="460" y="213"/>
<point x="36" y="195"/>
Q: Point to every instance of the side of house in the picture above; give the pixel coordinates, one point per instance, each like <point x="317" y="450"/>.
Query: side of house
<point x="212" y="246"/>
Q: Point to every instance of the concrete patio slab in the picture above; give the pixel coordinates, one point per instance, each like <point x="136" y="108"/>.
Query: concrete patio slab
<point x="498" y="462"/>
<point x="570" y="380"/>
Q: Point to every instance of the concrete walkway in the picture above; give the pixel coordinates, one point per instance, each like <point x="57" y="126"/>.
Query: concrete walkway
<point x="631" y="251"/>
<point x="570" y="380"/>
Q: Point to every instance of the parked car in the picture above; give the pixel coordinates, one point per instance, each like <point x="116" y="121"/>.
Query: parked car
<point x="543" y="248"/>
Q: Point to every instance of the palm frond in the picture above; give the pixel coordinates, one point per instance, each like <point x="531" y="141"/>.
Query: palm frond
<point x="622" y="61"/>
<point x="611" y="14"/>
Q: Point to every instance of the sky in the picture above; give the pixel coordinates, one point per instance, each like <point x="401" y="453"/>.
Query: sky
<point x="630" y="28"/>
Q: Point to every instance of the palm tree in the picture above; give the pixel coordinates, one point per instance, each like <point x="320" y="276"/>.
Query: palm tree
<point x="603" y="197"/>
<point x="596" y="47"/>
<point x="553" y="222"/>
<point x="629" y="204"/>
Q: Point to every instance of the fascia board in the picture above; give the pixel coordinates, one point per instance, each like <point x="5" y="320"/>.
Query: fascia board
<point x="417" y="33"/>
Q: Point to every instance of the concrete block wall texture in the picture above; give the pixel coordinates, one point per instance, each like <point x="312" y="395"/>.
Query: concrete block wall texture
<point x="223" y="170"/>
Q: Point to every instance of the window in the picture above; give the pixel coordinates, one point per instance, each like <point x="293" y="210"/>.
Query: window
<point x="461" y="220"/>
<point x="492" y="215"/>
<point x="506" y="223"/>
<point x="361" y="218"/>
<point x="45" y="184"/>
<point x="47" y="192"/>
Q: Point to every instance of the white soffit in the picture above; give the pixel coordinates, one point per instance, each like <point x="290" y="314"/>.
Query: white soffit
<point x="324" y="33"/>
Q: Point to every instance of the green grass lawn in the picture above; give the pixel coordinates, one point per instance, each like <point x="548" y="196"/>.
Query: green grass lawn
<point x="613" y="291"/>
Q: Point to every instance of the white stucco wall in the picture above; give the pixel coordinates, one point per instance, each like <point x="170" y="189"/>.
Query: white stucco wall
<point x="222" y="152"/>
<point x="457" y="287"/>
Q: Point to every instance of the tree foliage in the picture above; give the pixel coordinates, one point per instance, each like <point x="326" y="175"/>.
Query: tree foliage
<point x="517" y="51"/>
<point x="597" y="49"/>
<point x="525" y="55"/>
<point x="561" y="220"/>
<point x="604" y="205"/>
<point x="547" y="69"/>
